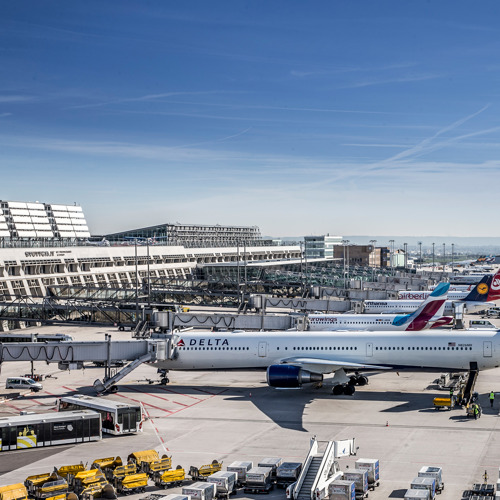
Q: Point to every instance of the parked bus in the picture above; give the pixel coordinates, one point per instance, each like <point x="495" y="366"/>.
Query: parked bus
<point x="117" y="417"/>
<point x="34" y="337"/>
<point x="48" y="429"/>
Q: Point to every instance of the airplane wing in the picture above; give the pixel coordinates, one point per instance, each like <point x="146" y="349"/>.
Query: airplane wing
<point x="318" y="365"/>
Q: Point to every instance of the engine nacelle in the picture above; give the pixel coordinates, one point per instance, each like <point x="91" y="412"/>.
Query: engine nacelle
<point x="290" y="376"/>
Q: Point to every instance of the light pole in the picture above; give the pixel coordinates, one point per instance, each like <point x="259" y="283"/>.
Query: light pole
<point x="433" y="257"/>
<point x="392" y="256"/>
<point x="452" y="256"/>
<point x="405" y="246"/>
<point x="444" y="256"/>
<point x="420" y="258"/>
<point x="345" y="243"/>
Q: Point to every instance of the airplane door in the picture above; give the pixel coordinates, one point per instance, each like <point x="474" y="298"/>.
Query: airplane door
<point x="262" y="349"/>
<point x="487" y="349"/>
<point x="369" y="349"/>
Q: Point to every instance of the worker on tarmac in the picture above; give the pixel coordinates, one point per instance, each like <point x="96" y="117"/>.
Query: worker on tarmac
<point x="492" y="398"/>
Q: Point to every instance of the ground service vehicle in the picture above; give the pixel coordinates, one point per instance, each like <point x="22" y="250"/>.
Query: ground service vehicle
<point x="72" y="470"/>
<point x="117" y="418"/>
<point x="258" y="480"/>
<point x="47" y="429"/>
<point x="13" y="492"/>
<point x="169" y="478"/>
<point x="106" y="464"/>
<point x="201" y="473"/>
<point x="45" y="486"/>
<point x="273" y="463"/>
<point x="241" y="469"/>
<point x="23" y="383"/>
<point x="132" y="483"/>
<point x="287" y="473"/>
<point x="372" y="467"/>
<point x="200" y="491"/>
<point x="434" y="472"/>
<point x="117" y="475"/>
<point x="160" y="466"/>
<point x="225" y="483"/>
<point x="143" y="459"/>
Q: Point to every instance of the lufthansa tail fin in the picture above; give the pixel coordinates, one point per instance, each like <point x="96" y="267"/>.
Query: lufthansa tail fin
<point x="481" y="292"/>
<point x="430" y="310"/>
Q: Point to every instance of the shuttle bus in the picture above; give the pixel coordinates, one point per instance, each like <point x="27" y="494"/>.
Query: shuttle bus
<point x="48" y="429"/>
<point x="117" y="417"/>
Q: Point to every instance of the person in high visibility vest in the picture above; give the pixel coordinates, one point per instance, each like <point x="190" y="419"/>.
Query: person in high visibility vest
<point x="492" y="398"/>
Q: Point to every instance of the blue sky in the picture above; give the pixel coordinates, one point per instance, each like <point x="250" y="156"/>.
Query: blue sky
<point x="301" y="118"/>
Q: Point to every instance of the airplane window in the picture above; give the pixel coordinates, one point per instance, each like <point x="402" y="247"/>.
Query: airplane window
<point x="277" y="348"/>
<point x="448" y="348"/>
<point x="461" y="348"/>
<point x="435" y="348"/>
<point x="355" y="348"/>
<point x="286" y="348"/>
<point x="385" y="348"/>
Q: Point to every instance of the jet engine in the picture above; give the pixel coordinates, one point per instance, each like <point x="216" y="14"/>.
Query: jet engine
<point x="290" y="376"/>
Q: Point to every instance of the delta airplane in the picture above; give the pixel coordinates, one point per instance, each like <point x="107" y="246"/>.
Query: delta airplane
<point x="428" y="315"/>
<point x="293" y="358"/>
<point x="478" y="299"/>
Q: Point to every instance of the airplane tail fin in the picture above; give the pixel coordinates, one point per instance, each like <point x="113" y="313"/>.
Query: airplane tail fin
<point x="494" y="293"/>
<point x="481" y="292"/>
<point x="431" y="309"/>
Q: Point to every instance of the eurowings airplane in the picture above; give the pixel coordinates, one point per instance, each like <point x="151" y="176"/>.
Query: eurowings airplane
<point x="428" y="315"/>
<point x="478" y="299"/>
<point x="293" y="358"/>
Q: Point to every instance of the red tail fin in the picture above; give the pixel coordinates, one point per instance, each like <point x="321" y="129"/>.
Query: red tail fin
<point x="494" y="293"/>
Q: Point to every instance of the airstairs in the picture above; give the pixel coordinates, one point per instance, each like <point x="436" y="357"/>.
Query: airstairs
<point x="320" y="469"/>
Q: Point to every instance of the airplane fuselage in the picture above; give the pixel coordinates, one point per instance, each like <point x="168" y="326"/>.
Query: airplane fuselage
<point x="453" y="350"/>
<point x="408" y="306"/>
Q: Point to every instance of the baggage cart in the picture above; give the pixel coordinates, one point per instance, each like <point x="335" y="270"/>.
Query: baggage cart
<point x="83" y="479"/>
<point x="273" y="463"/>
<point x="258" y="480"/>
<point x="117" y="474"/>
<point x="200" y="491"/>
<point x="143" y="459"/>
<point x="172" y="496"/>
<point x="241" y="469"/>
<point x="33" y="482"/>
<point x="201" y="473"/>
<point x="341" y="489"/>
<point x="106" y="463"/>
<point x="66" y="470"/>
<point x="169" y="478"/>
<point x="444" y="403"/>
<point x="160" y="466"/>
<point x="360" y="479"/>
<point x="436" y="473"/>
<point x="372" y="467"/>
<point x="99" y="489"/>
<point x="225" y="483"/>
<point x="14" y="492"/>
<point x="416" y="495"/>
<point x="132" y="483"/>
<point x="425" y="483"/>
<point x="54" y="487"/>
<point x="287" y="473"/>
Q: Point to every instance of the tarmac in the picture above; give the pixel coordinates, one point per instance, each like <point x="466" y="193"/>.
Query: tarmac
<point x="229" y="416"/>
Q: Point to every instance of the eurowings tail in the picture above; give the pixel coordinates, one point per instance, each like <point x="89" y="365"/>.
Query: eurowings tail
<point x="430" y="311"/>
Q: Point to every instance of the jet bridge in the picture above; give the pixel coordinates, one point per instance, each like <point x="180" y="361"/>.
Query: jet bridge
<point x="72" y="355"/>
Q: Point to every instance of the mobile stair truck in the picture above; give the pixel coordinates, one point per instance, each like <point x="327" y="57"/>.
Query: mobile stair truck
<point x="372" y="466"/>
<point x="241" y="469"/>
<point x="287" y="473"/>
<point x="258" y="480"/>
<point x="200" y="491"/>
<point x="320" y="469"/>
<point x="225" y="483"/>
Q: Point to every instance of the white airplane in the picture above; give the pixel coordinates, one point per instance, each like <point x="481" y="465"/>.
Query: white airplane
<point x="487" y="290"/>
<point x="428" y="315"/>
<point x="293" y="358"/>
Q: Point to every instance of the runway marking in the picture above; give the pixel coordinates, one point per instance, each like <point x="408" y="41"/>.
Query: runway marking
<point x="198" y="402"/>
<point x="157" y="432"/>
<point x="69" y="388"/>
<point x="206" y="392"/>
<point x="180" y="393"/>
<point x="143" y="403"/>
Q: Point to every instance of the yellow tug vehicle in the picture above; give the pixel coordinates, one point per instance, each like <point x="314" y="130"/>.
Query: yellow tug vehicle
<point x="117" y="475"/>
<point x="132" y="483"/>
<point x="16" y="491"/>
<point x="201" y="473"/>
<point x="169" y="478"/>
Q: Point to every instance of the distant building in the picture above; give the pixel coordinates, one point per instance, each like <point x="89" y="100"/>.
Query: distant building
<point x="355" y="255"/>
<point x="380" y="257"/>
<point x="321" y="246"/>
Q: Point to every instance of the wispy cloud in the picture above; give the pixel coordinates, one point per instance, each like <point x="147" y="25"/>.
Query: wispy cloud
<point x="397" y="79"/>
<point x="4" y="115"/>
<point x="15" y="98"/>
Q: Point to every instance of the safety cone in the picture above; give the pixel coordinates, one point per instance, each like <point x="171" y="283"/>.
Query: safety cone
<point x="387" y="423"/>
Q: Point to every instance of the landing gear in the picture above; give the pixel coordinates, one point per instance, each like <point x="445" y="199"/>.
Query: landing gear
<point x="163" y="376"/>
<point x="346" y="389"/>
<point x="358" y="380"/>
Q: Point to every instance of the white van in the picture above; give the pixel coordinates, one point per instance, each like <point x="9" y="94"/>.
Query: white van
<point x="23" y="383"/>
